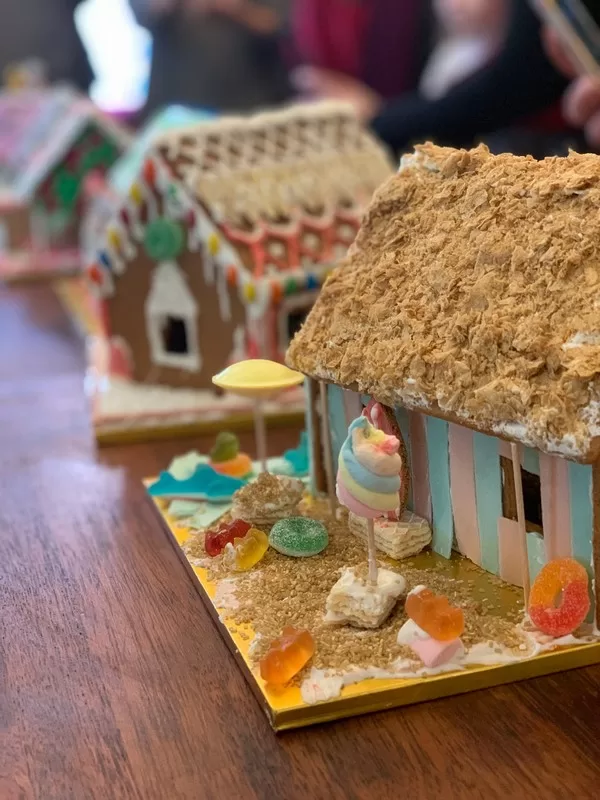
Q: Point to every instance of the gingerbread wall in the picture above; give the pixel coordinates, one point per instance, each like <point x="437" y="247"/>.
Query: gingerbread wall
<point x="16" y="222"/>
<point x="127" y="319"/>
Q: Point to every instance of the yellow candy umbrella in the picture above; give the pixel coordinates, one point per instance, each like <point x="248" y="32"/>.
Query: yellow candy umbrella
<point x="259" y="379"/>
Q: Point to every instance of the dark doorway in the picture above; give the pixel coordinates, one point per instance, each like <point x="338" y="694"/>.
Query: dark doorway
<point x="175" y="337"/>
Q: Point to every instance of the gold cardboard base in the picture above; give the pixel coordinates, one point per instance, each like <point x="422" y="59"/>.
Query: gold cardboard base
<point x="286" y="709"/>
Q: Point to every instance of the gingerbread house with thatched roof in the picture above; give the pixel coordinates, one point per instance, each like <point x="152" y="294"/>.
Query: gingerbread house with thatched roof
<point x="225" y="236"/>
<point x="468" y="306"/>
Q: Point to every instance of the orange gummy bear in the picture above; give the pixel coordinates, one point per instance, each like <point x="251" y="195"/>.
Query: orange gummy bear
<point x="434" y="614"/>
<point x="559" y="599"/>
<point x="286" y="656"/>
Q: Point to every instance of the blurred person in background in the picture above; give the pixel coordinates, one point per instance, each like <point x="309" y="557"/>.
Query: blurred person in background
<point x="220" y="55"/>
<point x="515" y="82"/>
<point x="470" y="35"/>
<point x="43" y="33"/>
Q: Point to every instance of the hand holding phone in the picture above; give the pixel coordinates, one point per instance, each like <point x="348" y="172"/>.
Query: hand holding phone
<point x="575" y="23"/>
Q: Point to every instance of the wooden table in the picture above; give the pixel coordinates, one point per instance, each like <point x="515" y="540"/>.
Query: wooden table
<point x="114" y="682"/>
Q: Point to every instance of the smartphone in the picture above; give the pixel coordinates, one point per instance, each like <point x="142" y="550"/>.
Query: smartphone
<point x="577" y="22"/>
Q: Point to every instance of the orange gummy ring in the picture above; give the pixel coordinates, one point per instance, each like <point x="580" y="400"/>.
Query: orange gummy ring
<point x="559" y="600"/>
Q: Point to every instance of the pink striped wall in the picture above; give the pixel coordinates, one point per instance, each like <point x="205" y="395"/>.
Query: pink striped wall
<point x="556" y="506"/>
<point x="462" y="491"/>
<point x="509" y="551"/>
<point x="418" y="462"/>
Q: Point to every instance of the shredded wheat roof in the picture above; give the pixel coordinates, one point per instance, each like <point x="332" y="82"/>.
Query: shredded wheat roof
<point x="272" y="166"/>
<point x="473" y="292"/>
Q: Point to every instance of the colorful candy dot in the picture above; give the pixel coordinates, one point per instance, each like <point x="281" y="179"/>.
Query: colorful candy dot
<point x="312" y="282"/>
<point x="113" y="237"/>
<point x="136" y="194"/>
<point x="231" y="275"/>
<point x="249" y="292"/>
<point x="149" y="171"/>
<point x="276" y="291"/>
<point x="94" y="274"/>
<point x="291" y="286"/>
<point x="213" y="244"/>
<point x="104" y="259"/>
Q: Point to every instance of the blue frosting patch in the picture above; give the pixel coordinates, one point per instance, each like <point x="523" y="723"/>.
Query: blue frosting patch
<point x="204" y="484"/>
<point x="298" y="458"/>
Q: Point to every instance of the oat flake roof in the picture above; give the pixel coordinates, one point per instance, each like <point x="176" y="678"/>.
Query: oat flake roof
<point x="473" y="293"/>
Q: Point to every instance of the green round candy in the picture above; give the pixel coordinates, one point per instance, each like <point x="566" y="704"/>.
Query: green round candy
<point x="163" y="239"/>
<point x="226" y="447"/>
<point x="299" y="537"/>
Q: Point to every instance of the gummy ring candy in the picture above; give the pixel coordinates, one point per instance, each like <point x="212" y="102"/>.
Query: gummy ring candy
<point x="163" y="239"/>
<point x="559" y="600"/>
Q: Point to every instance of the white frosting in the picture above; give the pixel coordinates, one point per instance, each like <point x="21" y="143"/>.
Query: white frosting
<point x="319" y="686"/>
<point x="410" y="632"/>
<point x="225" y="598"/>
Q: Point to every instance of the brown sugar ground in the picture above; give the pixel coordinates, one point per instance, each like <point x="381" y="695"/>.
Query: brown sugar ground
<point x="288" y="591"/>
<point x="469" y="276"/>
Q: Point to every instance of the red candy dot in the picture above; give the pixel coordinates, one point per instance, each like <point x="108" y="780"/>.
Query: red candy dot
<point x="149" y="172"/>
<point x="95" y="274"/>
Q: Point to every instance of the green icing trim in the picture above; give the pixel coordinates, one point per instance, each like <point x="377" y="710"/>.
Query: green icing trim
<point x="299" y="537"/>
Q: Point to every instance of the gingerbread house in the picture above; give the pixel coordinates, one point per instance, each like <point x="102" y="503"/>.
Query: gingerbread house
<point x="104" y="193"/>
<point x="225" y="236"/>
<point x="50" y="140"/>
<point x="468" y="307"/>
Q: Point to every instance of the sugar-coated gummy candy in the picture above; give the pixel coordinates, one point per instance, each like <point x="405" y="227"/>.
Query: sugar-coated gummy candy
<point x="286" y="656"/>
<point x="300" y="537"/>
<point x="559" y="599"/>
<point x="250" y="549"/>
<point x="434" y="614"/>
<point x="215" y="541"/>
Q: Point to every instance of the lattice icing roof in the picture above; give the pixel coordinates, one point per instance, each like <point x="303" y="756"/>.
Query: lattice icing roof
<point x="276" y="165"/>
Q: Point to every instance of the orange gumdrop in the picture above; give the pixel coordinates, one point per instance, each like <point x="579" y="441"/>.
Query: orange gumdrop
<point x="286" y="656"/>
<point x="434" y="614"/>
<point x="236" y="467"/>
<point x="559" y="599"/>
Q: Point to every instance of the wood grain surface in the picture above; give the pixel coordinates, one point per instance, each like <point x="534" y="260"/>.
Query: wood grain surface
<point x="114" y="682"/>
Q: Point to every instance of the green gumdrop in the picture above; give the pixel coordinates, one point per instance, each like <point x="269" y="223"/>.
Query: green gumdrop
<point x="163" y="239"/>
<point x="226" y="447"/>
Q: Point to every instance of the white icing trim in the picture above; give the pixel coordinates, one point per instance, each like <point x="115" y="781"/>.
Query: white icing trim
<point x="170" y="295"/>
